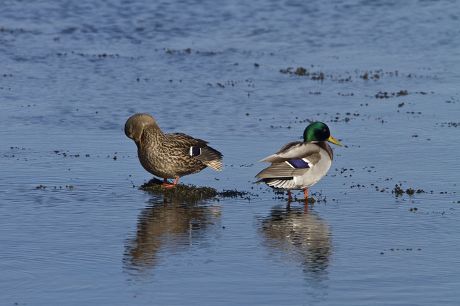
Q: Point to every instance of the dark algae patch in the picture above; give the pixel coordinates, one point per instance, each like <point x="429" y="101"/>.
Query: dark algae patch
<point x="387" y="95"/>
<point x="192" y="193"/>
<point x="44" y="187"/>
<point x="315" y="197"/>
<point x="301" y="71"/>
<point x="349" y="76"/>
<point x="401" y="93"/>
<point x="234" y="194"/>
<point x="449" y="124"/>
<point x="399" y="191"/>
<point x="188" y="193"/>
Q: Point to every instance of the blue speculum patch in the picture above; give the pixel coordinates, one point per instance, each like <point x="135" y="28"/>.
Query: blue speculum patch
<point x="298" y="163"/>
<point x="195" y="151"/>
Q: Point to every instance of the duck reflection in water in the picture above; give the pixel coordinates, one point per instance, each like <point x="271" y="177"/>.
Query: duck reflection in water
<point x="168" y="227"/>
<point x="302" y="235"/>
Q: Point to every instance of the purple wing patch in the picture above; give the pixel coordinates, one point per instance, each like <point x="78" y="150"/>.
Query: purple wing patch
<point x="298" y="163"/>
<point x="195" y="151"/>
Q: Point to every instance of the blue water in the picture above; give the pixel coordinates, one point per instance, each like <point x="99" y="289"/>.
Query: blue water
<point x="76" y="230"/>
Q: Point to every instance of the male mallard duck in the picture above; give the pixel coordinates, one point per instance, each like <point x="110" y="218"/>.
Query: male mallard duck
<point x="169" y="155"/>
<point x="300" y="164"/>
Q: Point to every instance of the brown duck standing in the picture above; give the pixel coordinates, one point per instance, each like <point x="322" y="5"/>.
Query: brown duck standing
<point x="169" y="155"/>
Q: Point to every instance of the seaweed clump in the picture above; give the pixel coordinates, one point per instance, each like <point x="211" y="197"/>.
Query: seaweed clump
<point x="399" y="191"/>
<point x="234" y="194"/>
<point x="191" y="193"/>
<point x="180" y="192"/>
<point x="301" y="71"/>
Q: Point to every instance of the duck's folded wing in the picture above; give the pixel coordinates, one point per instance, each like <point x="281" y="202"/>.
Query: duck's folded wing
<point x="286" y="169"/>
<point x="294" y="150"/>
<point x="184" y="140"/>
<point x="196" y="148"/>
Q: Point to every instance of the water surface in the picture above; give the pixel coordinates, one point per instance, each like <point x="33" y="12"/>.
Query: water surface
<point x="75" y="229"/>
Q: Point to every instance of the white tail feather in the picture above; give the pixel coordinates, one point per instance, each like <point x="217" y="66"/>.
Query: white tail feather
<point x="215" y="164"/>
<point x="282" y="184"/>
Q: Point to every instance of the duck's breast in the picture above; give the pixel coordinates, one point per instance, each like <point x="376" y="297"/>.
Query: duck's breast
<point x="316" y="172"/>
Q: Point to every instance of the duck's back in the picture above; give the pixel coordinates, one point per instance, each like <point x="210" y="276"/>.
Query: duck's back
<point x="176" y="154"/>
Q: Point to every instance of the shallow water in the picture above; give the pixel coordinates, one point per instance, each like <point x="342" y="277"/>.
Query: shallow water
<point x="75" y="228"/>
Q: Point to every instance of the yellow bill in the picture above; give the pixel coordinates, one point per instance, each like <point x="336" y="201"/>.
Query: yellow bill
<point x="334" y="141"/>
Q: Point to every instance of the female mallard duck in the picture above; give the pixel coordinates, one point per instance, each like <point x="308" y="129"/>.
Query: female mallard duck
<point x="300" y="164"/>
<point x="169" y="155"/>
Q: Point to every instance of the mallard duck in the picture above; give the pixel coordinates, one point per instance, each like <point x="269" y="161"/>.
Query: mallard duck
<point x="169" y="155"/>
<point x="300" y="164"/>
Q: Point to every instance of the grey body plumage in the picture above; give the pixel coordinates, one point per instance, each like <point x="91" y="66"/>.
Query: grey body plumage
<point x="282" y="173"/>
<point x="300" y="164"/>
<point x="169" y="155"/>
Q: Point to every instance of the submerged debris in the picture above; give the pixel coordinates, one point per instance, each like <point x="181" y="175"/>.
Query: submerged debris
<point x="301" y="71"/>
<point x="44" y="187"/>
<point x="234" y="194"/>
<point x="399" y="191"/>
<point x="387" y="95"/>
<point x="372" y="75"/>
<point x="349" y="76"/>
<point x="449" y="124"/>
<point x="187" y="51"/>
<point x="315" y="197"/>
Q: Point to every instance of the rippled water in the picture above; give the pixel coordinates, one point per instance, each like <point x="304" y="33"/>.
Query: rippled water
<point x="75" y="229"/>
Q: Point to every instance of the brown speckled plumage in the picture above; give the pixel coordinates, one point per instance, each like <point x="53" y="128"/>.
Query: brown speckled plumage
<point x="168" y="155"/>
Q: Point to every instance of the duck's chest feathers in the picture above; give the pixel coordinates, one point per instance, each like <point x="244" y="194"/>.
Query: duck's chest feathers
<point x="152" y="154"/>
<point x="318" y="170"/>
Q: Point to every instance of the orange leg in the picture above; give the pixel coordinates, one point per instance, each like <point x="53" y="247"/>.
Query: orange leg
<point x="167" y="184"/>
<point x="305" y="192"/>
<point x="289" y="196"/>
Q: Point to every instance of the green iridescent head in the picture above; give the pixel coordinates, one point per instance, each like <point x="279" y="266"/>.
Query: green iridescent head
<point x="319" y="131"/>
